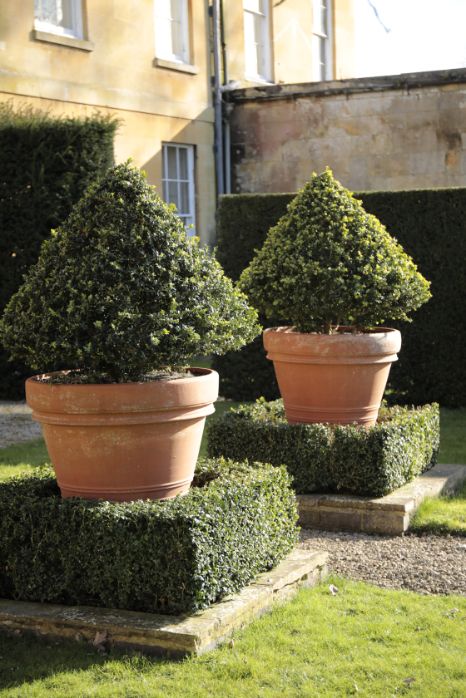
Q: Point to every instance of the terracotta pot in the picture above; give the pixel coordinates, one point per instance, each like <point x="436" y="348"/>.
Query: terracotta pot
<point x="127" y="441"/>
<point x="337" y="378"/>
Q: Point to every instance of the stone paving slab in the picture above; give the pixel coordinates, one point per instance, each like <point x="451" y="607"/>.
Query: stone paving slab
<point x="175" y="636"/>
<point x="390" y="514"/>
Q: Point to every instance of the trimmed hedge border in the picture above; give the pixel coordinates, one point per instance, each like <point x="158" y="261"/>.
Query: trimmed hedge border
<point x="332" y="458"/>
<point x="430" y="225"/>
<point x="176" y="556"/>
<point x="47" y="163"/>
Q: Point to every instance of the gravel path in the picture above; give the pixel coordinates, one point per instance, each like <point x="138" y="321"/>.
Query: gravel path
<point x="426" y="564"/>
<point x="16" y="424"/>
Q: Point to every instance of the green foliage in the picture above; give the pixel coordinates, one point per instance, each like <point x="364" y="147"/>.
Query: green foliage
<point x="173" y="556"/>
<point x="242" y="225"/>
<point x="328" y="458"/>
<point x="328" y="263"/>
<point x="119" y="290"/>
<point x="430" y="224"/>
<point x="46" y="165"/>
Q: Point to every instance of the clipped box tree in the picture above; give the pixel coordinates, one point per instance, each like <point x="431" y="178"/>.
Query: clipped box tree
<point x="118" y="302"/>
<point x="337" y="274"/>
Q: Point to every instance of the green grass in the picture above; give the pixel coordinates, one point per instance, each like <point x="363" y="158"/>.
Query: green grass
<point x="452" y="436"/>
<point x="22" y="458"/>
<point x="446" y="515"/>
<point x="442" y="515"/>
<point x="364" y="641"/>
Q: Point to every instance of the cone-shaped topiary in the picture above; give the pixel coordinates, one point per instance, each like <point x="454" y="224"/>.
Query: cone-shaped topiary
<point x="328" y="263"/>
<point x="120" y="291"/>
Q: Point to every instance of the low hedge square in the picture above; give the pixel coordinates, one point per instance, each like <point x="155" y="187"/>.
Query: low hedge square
<point x="171" y="556"/>
<point x="329" y="458"/>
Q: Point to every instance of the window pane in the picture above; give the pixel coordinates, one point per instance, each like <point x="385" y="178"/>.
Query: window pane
<point x="163" y="9"/>
<point x="56" y="12"/>
<point x="184" y="197"/>
<point x="178" y="181"/>
<point x="318" y="50"/>
<point x="66" y="14"/>
<point x="171" y="163"/>
<point x="256" y="41"/>
<point x="254" y="5"/>
<point x="171" y="30"/>
<point x="250" y="44"/>
<point x="260" y="47"/>
<point x="173" y="193"/>
<point x="46" y="11"/>
<point x="177" y="39"/>
<point x="183" y="163"/>
<point x="176" y="10"/>
<point x="163" y="37"/>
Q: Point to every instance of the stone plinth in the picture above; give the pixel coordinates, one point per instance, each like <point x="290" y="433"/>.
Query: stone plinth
<point x="169" y="635"/>
<point x="390" y="514"/>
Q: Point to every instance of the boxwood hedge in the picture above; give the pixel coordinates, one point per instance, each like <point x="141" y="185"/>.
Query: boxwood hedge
<point x="169" y="557"/>
<point x="332" y="458"/>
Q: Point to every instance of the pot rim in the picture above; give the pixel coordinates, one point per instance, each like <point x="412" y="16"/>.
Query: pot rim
<point x="197" y="372"/>
<point x="284" y="344"/>
<point x="192" y="393"/>
<point x="347" y="331"/>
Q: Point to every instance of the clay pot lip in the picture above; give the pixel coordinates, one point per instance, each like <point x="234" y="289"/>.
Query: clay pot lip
<point x="343" y="331"/>
<point x="193" y="392"/>
<point x="282" y="342"/>
<point x="198" y="372"/>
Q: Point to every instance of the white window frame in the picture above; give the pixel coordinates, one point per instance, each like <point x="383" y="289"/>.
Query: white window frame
<point x="165" y="28"/>
<point x="257" y="13"/>
<point x="324" y="69"/>
<point x="188" y="217"/>
<point x="76" y="30"/>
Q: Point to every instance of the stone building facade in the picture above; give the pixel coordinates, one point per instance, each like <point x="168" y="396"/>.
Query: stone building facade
<point x="150" y="64"/>
<point x="383" y="133"/>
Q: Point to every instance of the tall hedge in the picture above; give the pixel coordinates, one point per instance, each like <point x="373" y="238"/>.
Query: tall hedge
<point x="431" y="226"/>
<point x="46" y="163"/>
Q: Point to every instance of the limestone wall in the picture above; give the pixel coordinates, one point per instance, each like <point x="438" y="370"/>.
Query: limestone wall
<point x="387" y="133"/>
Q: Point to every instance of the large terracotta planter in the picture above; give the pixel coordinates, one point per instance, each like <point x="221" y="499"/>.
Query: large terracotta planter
<point x="337" y="378"/>
<point x="125" y="441"/>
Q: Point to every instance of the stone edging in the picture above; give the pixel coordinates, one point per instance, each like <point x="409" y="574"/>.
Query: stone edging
<point x="169" y="635"/>
<point x="390" y="514"/>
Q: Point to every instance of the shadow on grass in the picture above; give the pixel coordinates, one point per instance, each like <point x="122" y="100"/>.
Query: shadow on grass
<point x="26" y="658"/>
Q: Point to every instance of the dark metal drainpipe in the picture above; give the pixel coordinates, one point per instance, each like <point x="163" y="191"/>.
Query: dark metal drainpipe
<point x="218" y="115"/>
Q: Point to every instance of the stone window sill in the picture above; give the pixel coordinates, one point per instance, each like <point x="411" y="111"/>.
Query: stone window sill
<point x="179" y="67"/>
<point x="69" y="41"/>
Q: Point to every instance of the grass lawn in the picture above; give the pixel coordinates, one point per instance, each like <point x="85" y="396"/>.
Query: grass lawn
<point x="22" y="458"/>
<point x="364" y="641"/>
<point x="442" y="515"/>
<point x="446" y="514"/>
<point x="452" y="436"/>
